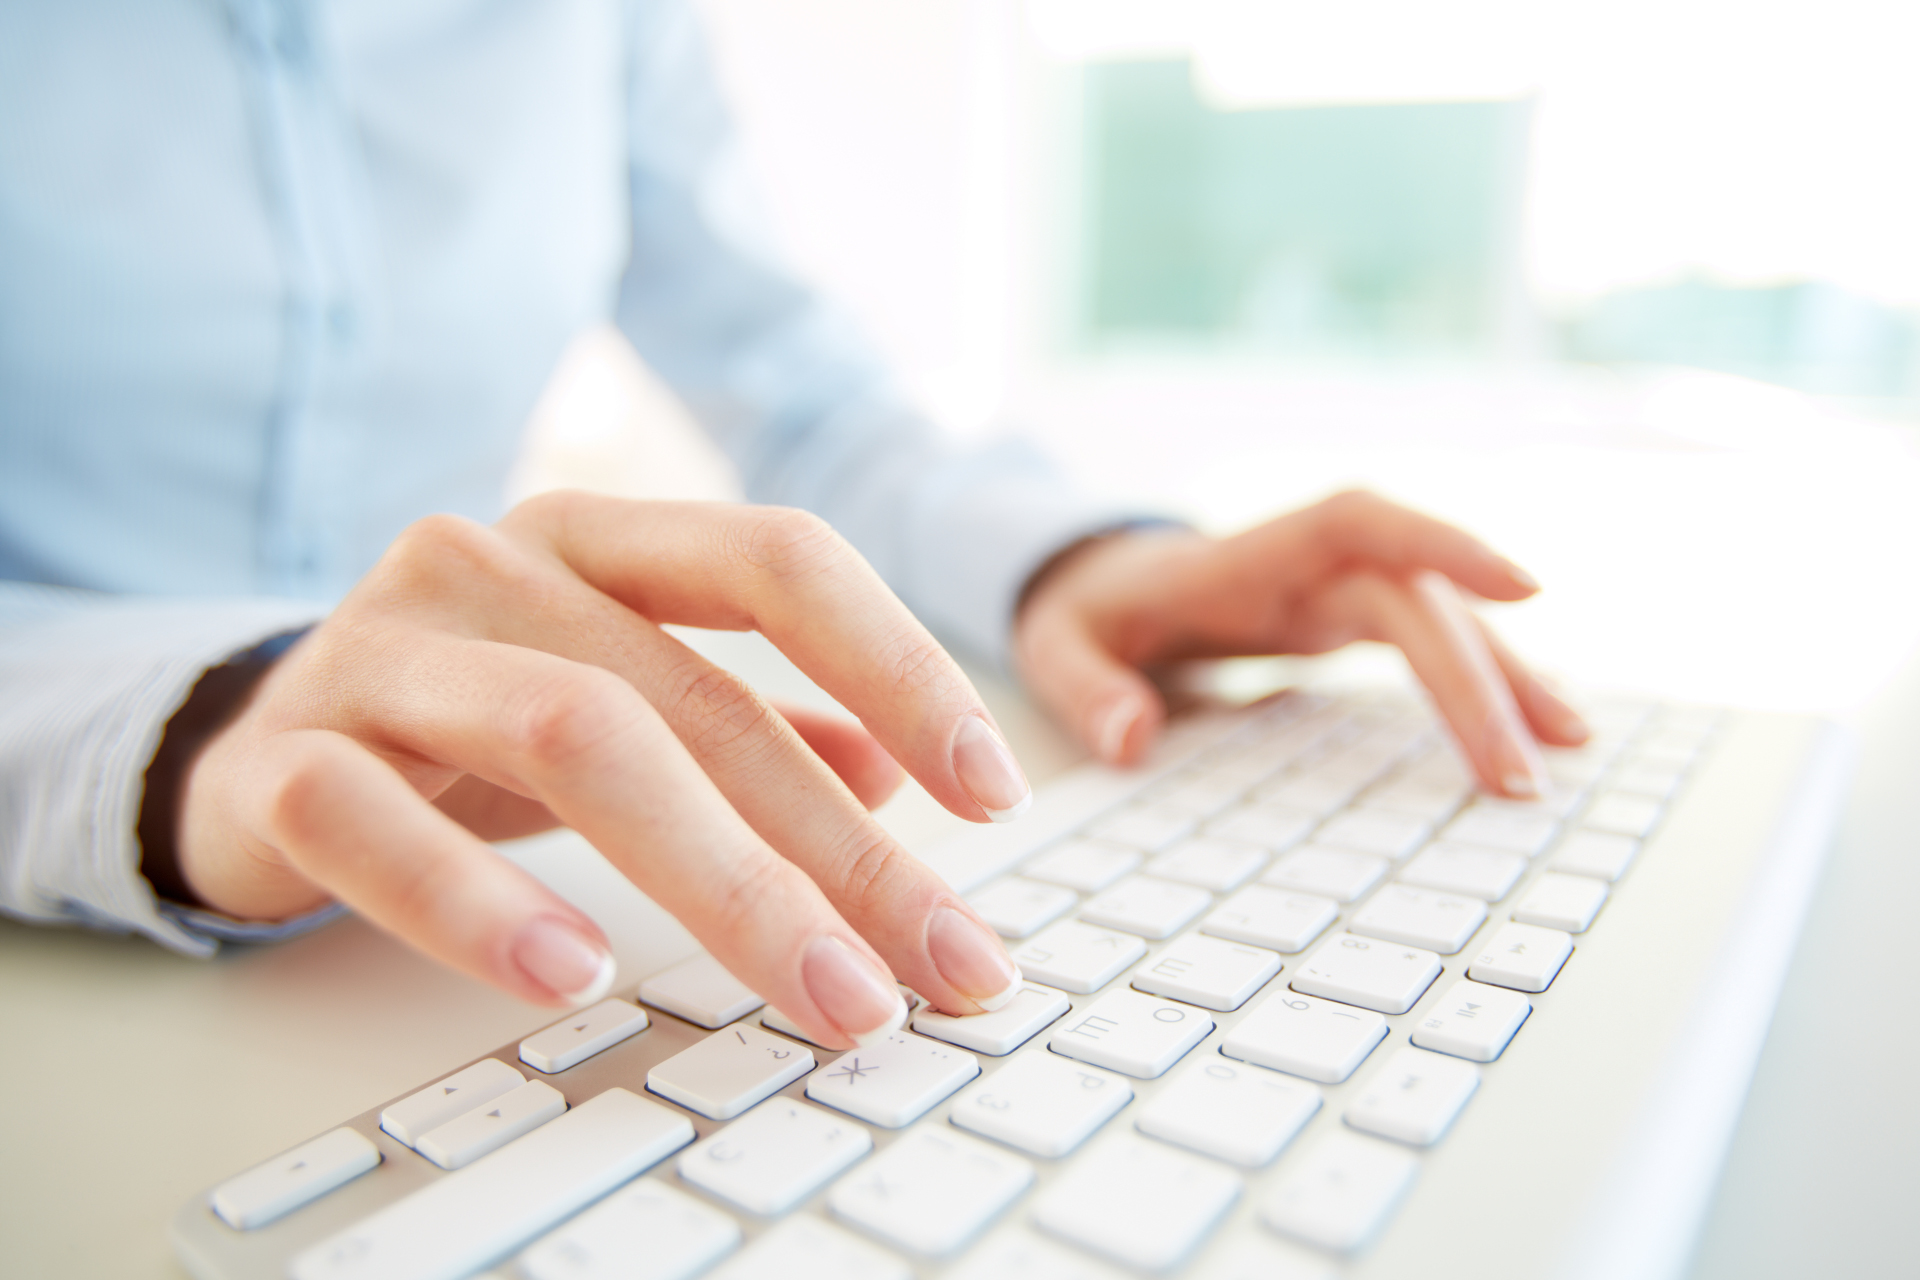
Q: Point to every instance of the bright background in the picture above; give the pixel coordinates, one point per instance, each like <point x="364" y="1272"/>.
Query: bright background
<point x="1631" y="289"/>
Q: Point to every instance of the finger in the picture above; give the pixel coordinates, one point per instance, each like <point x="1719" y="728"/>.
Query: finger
<point x="849" y="750"/>
<point x="1361" y="526"/>
<point x="759" y="764"/>
<point x="584" y="742"/>
<point x="1113" y="709"/>
<point x="352" y="825"/>
<point x="787" y="575"/>
<point x="1425" y="617"/>
<point x="1549" y="715"/>
<point x="492" y="813"/>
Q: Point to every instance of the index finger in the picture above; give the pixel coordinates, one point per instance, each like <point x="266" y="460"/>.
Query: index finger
<point x="789" y="576"/>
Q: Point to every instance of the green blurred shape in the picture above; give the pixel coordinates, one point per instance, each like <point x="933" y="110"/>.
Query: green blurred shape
<point x="1807" y="335"/>
<point x="1351" y="229"/>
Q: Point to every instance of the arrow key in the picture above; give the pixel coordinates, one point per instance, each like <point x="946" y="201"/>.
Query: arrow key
<point x="583" y="1034"/>
<point x="461" y="1141"/>
<point x="459" y="1093"/>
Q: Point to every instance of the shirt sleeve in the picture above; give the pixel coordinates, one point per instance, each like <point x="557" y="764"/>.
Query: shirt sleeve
<point x="90" y="680"/>
<point x="793" y="394"/>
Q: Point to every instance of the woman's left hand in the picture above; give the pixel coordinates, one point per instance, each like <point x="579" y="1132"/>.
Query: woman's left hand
<point x="1353" y="567"/>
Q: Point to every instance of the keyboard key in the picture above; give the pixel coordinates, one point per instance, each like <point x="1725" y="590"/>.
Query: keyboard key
<point x="1019" y="1254"/>
<point x="1198" y="792"/>
<point x="1277" y="919"/>
<point x="1522" y="957"/>
<point x="272" y="1190"/>
<point x="729" y="1071"/>
<point x="1600" y="855"/>
<point x="1041" y="1103"/>
<point x="440" y="1102"/>
<point x="1241" y="1114"/>
<point x="998" y="1033"/>
<point x="1078" y="957"/>
<point x="1622" y="814"/>
<point x="702" y="992"/>
<point x="1385" y="835"/>
<point x="1327" y="873"/>
<point x="461" y="1222"/>
<point x="1513" y="831"/>
<point x="1273" y="827"/>
<point x="645" y="1231"/>
<point x="1387" y="977"/>
<point x="1486" y="874"/>
<point x="1340" y="1196"/>
<point x="583" y="1034"/>
<point x="1148" y="827"/>
<point x="1316" y="793"/>
<point x="774" y="1020"/>
<point x="1151" y="908"/>
<point x="1473" y="1021"/>
<point x="1139" y="1203"/>
<point x="1016" y="907"/>
<point x="1441" y="922"/>
<point x="805" y="1248"/>
<point x="1647" y="778"/>
<point x="895" y="1082"/>
<point x="1576" y="768"/>
<point x="1424" y="800"/>
<point x="1414" y="1097"/>
<point x="1131" y="1033"/>
<point x="1259" y="1258"/>
<point x="775" y="1156"/>
<point x="932" y="1191"/>
<point x="1208" y="862"/>
<point x="1567" y="903"/>
<point x="1298" y="1034"/>
<point x="491" y="1125"/>
<point x="1210" y="972"/>
<point x="1086" y="865"/>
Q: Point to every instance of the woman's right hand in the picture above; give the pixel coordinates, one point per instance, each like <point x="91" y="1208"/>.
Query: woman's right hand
<point x="484" y="682"/>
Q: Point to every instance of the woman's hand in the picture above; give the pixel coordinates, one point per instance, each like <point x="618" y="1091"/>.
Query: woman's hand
<point x="1354" y="567"/>
<point x="485" y="682"/>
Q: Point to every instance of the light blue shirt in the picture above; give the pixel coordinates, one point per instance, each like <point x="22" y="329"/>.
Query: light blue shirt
<point x="278" y="277"/>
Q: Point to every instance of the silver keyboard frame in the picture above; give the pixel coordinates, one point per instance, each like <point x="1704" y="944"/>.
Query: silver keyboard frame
<point x="1590" y="1149"/>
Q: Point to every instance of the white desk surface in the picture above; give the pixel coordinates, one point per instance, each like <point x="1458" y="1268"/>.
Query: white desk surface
<point x="132" y="1077"/>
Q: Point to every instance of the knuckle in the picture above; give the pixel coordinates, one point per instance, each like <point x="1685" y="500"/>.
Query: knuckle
<point x="916" y="666"/>
<point x="298" y="791"/>
<point x="871" y="872"/>
<point x="788" y="544"/>
<point x="437" y="550"/>
<point x="719" y="715"/>
<point x="570" y="715"/>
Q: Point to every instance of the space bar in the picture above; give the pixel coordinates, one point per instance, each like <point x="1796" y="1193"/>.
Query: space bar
<point x="485" y="1211"/>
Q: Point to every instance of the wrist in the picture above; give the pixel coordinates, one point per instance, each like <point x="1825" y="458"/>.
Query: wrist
<point x="217" y="698"/>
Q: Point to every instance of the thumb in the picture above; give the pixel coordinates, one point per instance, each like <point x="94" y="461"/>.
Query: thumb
<point x="1105" y="702"/>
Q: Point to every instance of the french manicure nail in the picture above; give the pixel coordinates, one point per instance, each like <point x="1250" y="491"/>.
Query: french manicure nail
<point x="988" y="771"/>
<point x="1515" y="760"/>
<point x="856" y="997"/>
<point x="559" y="959"/>
<point x="972" y="959"/>
<point x="1518" y="574"/>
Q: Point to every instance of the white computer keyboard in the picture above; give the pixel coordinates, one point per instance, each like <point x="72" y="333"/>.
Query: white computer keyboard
<point x="1264" y="992"/>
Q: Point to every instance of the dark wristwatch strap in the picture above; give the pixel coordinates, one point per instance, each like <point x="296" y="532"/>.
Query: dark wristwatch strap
<point x="217" y="697"/>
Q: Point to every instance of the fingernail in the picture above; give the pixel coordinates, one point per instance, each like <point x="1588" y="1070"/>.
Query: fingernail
<point x="857" y="998"/>
<point x="988" y="770"/>
<point x="554" y="955"/>
<point x="1114" y="724"/>
<point x="1570" y="723"/>
<point x="1515" y="760"/>
<point x="972" y="959"/>
<point x="1519" y="575"/>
